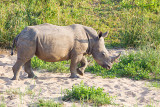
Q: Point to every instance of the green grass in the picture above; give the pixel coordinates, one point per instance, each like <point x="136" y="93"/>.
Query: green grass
<point x="143" y="64"/>
<point x="48" y="103"/>
<point x="62" y="67"/>
<point x="131" y="23"/>
<point x="18" y="91"/>
<point x="14" y="91"/>
<point x="3" y="105"/>
<point x="155" y="84"/>
<point x="87" y="94"/>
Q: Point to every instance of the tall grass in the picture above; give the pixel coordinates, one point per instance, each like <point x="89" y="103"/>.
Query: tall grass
<point x="130" y="22"/>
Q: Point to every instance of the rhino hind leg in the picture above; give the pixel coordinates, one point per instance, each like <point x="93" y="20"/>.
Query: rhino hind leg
<point x="83" y="66"/>
<point x="28" y="69"/>
<point x="25" y="51"/>
<point x="17" y="66"/>
<point x="73" y="66"/>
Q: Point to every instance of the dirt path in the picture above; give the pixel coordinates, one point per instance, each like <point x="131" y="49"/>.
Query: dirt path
<point x="129" y="93"/>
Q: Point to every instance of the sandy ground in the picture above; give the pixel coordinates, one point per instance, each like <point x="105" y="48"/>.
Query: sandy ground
<point x="25" y="92"/>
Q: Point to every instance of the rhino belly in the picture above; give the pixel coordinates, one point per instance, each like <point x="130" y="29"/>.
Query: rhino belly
<point x="53" y="56"/>
<point x="54" y="49"/>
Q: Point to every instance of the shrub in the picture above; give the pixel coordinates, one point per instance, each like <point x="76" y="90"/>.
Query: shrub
<point x="87" y="94"/>
<point x="139" y="30"/>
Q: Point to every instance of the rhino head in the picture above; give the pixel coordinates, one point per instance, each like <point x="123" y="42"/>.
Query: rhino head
<point x="100" y="53"/>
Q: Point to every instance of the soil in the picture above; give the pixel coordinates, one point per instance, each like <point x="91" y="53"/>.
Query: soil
<point x="26" y="91"/>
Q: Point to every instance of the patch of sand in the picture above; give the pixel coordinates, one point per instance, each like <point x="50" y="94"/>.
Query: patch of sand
<point x="27" y="91"/>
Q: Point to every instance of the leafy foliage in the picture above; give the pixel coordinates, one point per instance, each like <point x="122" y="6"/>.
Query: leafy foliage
<point x="48" y="103"/>
<point x="87" y="94"/>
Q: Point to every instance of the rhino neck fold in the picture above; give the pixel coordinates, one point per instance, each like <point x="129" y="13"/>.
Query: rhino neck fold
<point x="89" y="45"/>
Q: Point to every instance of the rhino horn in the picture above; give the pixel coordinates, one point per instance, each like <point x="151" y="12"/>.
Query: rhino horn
<point x="115" y="57"/>
<point x="105" y="34"/>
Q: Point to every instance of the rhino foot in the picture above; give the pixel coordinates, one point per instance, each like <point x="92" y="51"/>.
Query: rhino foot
<point x="14" y="78"/>
<point x="32" y="76"/>
<point x="80" y="71"/>
<point x="74" y="76"/>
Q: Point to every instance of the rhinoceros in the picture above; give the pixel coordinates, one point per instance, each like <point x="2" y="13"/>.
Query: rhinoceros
<point x="53" y="43"/>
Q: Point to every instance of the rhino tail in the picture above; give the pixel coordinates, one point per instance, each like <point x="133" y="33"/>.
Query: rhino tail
<point x="14" y="42"/>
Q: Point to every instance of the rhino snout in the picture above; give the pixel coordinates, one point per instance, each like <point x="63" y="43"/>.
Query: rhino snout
<point x="107" y="66"/>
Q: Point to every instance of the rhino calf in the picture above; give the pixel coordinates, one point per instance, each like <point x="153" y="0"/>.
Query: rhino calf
<point x="53" y="43"/>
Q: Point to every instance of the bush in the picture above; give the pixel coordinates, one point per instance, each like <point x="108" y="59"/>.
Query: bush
<point x="139" y="29"/>
<point x="87" y="94"/>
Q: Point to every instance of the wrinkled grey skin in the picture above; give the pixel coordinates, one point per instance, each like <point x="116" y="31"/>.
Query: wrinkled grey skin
<point x="53" y="43"/>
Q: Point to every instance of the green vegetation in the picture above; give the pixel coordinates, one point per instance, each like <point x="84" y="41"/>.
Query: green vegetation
<point x="17" y="91"/>
<point x="3" y="105"/>
<point x="144" y="64"/>
<point x="130" y="22"/>
<point x="48" y="103"/>
<point x="61" y="67"/>
<point x="155" y="84"/>
<point x="14" y="91"/>
<point x="87" y="94"/>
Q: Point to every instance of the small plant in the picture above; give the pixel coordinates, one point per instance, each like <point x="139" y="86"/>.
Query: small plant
<point x="155" y="84"/>
<point x="29" y="92"/>
<point x="2" y="105"/>
<point x="14" y="91"/>
<point x="87" y="94"/>
<point x="48" y="103"/>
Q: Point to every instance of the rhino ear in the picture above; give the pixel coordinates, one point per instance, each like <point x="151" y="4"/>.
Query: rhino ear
<point x="105" y="34"/>
<point x="100" y="34"/>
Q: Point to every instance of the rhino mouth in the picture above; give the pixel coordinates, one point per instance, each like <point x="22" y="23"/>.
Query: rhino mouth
<point x="106" y="66"/>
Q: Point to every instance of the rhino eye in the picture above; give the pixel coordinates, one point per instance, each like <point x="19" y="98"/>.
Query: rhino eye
<point x="103" y="53"/>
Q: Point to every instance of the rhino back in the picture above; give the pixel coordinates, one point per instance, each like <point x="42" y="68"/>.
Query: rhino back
<point x="55" y="43"/>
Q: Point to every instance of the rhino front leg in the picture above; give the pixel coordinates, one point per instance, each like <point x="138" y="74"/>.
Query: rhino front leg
<point x="74" y="62"/>
<point x="28" y="69"/>
<point x="83" y="66"/>
<point x="17" y="66"/>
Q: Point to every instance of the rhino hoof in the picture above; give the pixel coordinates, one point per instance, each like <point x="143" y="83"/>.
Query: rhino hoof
<point x="74" y="76"/>
<point x="32" y="76"/>
<point x="80" y="72"/>
<point x="14" y="78"/>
